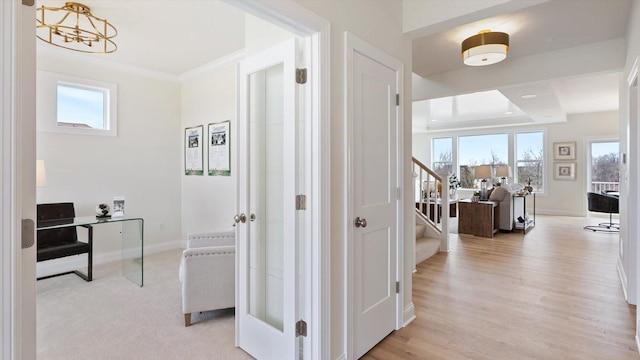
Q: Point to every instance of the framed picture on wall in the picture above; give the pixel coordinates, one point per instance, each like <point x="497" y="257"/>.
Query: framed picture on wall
<point x="564" y="150"/>
<point x="193" y="152"/>
<point x="219" y="148"/>
<point x="564" y="171"/>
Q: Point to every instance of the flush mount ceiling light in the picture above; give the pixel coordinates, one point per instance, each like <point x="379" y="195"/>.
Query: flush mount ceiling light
<point x="73" y="27"/>
<point x="485" y="48"/>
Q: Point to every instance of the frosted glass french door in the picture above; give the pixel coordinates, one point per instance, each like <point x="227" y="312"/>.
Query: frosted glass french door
<point x="266" y="228"/>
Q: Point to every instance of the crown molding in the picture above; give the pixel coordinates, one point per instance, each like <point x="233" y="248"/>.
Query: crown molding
<point x="49" y="51"/>
<point x="225" y="61"/>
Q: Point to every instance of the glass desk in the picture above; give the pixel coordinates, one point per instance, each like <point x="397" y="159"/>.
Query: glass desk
<point x="132" y="240"/>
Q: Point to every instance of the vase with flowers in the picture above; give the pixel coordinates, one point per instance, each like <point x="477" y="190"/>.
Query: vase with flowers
<point x="454" y="184"/>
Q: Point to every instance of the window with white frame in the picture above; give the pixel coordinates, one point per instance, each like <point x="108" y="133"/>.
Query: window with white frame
<point x="441" y="157"/>
<point x="475" y="150"/>
<point x="76" y="105"/>
<point x="605" y="169"/>
<point x="530" y="159"/>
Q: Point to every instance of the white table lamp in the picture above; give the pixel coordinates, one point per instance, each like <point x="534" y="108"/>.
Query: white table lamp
<point x="483" y="172"/>
<point x="503" y="172"/>
<point x="41" y="174"/>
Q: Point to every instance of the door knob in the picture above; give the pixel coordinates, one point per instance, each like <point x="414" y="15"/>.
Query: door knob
<point x="361" y="222"/>
<point x="240" y="218"/>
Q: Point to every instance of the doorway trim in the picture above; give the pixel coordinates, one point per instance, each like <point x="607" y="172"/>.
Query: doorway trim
<point x="10" y="253"/>
<point x="355" y="44"/>
<point x="303" y="22"/>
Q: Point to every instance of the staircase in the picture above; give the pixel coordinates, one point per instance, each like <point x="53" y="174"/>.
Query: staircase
<point x="426" y="246"/>
<point x="432" y="229"/>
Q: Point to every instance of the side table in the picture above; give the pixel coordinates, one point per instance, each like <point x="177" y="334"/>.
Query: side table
<point x="478" y="218"/>
<point x="529" y="221"/>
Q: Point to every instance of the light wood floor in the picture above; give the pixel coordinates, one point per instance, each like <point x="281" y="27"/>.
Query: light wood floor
<point x="553" y="293"/>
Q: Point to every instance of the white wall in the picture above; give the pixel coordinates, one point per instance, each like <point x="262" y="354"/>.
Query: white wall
<point x="142" y="163"/>
<point x="209" y="202"/>
<point x="561" y="197"/>
<point x="629" y="138"/>
<point x="380" y="25"/>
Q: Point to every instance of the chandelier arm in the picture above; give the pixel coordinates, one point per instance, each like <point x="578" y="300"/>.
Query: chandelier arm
<point x="68" y="31"/>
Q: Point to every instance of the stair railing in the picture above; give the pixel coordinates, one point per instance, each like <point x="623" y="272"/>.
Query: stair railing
<point x="431" y="197"/>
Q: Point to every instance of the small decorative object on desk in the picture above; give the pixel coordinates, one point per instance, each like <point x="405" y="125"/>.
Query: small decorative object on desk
<point x="475" y="197"/>
<point x="102" y="211"/>
<point x="118" y="206"/>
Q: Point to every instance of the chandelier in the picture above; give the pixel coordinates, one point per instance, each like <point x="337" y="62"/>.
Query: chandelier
<point x="73" y="27"/>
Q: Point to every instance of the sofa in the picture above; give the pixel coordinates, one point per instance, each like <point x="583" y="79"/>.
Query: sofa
<point x="504" y="196"/>
<point x="207" y="273"/>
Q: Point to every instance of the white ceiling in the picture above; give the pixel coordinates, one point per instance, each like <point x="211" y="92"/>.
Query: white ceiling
<point x="546" y="39"/>
<point x="166" y="36"/>
<point x="174" y="37"/>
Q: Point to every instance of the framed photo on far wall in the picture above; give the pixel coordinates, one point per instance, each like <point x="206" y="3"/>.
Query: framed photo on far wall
<point x="193" y="151"/>
<point x="564" y="171"/>
<point x="564" y="150"/>
<point x="219" y="148"/>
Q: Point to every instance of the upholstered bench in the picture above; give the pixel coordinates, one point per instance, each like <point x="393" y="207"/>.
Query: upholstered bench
<point x="207" y="273"/>
<point x="61" y="242"/>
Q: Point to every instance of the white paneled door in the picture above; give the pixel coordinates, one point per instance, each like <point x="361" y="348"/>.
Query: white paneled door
<point x="375" y="201"/>
<point x="267" y="304"/>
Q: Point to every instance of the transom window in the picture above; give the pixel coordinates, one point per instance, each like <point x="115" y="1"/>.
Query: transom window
<point x="82" y="107"/>
<point x="74" y="105"/>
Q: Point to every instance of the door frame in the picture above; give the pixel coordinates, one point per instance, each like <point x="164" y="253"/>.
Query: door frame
<point x="354" y="44"/>
<point x="289" y="15"/>
<point x="17" y="183"/>
<point x="304" y="23"/>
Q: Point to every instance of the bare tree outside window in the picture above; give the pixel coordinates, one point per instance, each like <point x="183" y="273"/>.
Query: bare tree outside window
<point x="481" y="150"/>
<point x="530" y="159"/>
<point x="441" y="161"/>
<point x="530" y="169"/>
<point x="605" y="171"/>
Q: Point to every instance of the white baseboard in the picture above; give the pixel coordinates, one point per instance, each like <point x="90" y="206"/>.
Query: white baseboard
<point x="342" y="357"/>
<point x="623" y="278"/>
<point x="409" y="314"/>
<point x="560" y="213"/>
<point x="79" y="262"/>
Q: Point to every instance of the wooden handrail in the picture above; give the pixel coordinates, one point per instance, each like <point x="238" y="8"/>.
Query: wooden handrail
<point x="425" y="168"/>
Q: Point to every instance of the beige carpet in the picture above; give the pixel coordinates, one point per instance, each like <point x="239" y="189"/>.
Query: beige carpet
<point x="112" y="318"/>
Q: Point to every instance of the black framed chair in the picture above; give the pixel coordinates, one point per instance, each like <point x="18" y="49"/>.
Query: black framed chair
<point x="604" y="203"/>
<point x="62" y="242"/>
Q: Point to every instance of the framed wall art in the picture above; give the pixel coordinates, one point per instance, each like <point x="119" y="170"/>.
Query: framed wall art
<point x="193" y="151"/>
<point x="564" y="150"/>
<point x="564" y="171"/>
<point x="219" y="148"/>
